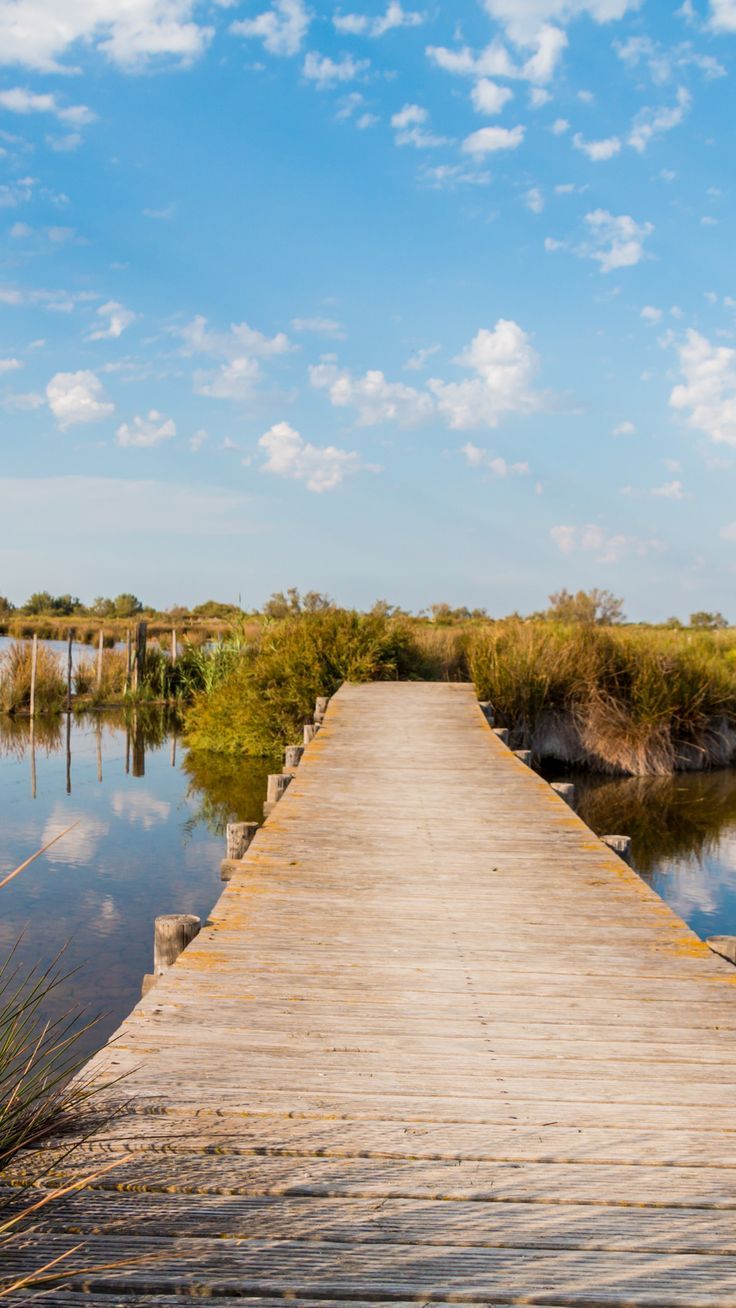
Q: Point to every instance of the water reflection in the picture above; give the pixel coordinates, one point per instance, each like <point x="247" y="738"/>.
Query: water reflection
<point x="149" y="839"/>
<point x="683" y="838"/>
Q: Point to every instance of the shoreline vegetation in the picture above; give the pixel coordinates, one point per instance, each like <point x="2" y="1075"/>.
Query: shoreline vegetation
<point x="575" y="684"/>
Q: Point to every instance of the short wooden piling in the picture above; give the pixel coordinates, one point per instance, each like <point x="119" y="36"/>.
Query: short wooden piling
<point x="524" y="756"/>
<point x="275" y="787"/>
<point x="310" y="731"/>
<point x="292" y="756"/>
<point x="238" y="836"/>
<point x="320" y="708"/>
<point x="502" y="733"/>
<point x="139" y="658"/>
<point x="620" y="845"/>
<point x="172" y="933"/>
<point x="174" y="650"/>
<point x="725" y="946"/>
<point x="566" y="791"/>
<point x="69" y="640"/>
<point x="486" y="709"/>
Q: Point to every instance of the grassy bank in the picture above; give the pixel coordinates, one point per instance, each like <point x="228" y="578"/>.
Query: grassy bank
<point x="623" y="700"/>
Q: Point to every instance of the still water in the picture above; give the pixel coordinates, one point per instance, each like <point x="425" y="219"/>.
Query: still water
<point x="149" y="839"/>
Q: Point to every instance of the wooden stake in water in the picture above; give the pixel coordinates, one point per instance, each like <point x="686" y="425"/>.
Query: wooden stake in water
<point x="34" y="668"/>
<point x="173" y="648"/>
<point x="69" y="672"/>
<point x="129" y="651"/>
<point x="100" y="647"/>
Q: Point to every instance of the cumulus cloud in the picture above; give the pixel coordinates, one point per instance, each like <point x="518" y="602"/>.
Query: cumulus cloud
<point x="77" y="397"/>
<point x="143" y="433"/>
<point x="10" y="365"/>
<point x="362" y="25"/>
<point x="477" y="457"/>
<point x="523" y="18"/>
<point x="723" y="15"/>
<point x="374" y="397"/>
<point x="494" y="60"/>
<point x="408" y="125"/>
<point x="503" y="364"/>
<point x="19" y="100"/>
<point x="241" y="337"/>
<point x="115" y="318"/>
<point x="708" y="390"/>
<point x="534" y="200"/>
<point x="320" y="467"/>
<point x="651" y="122"/>
<point x="626" y="428"/>
<point x="614" y="241"/>
<point x="281" y="28"/>
<point x="487" y="140"/>
<point x="597" y="150"/>
<point x="39" y="33"/>
<point x="235" y="380"/>
<point x="326" y="72"/>
<point x="607" y="547"/>
<point x="671" y="490"/>
<point x="487" y="97"/>
<point x="650" y="314"/>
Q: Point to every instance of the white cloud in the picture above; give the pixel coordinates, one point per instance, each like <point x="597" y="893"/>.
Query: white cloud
<point x="241" y="338"/>
<point x="597" y="150"/>
<point x="614" y="241"/>
<point x="488" y="97"/>
<point x="418" y="360"/>
<point x="361" y="25"/>
<point x="494" y="60"/>
<point x="560" y="126"/>
<point x="64" y="144"/>
<point x="607" y="547"/>
<point x="320" y="467"/>
<point x="447" y="177"/>
<point x="651" y="122"/>
<point x="282" y="28"/>
<point x="10" y="365"/>
<point x="320" y="327"/>
<point x="77" y="397"/>
<point x="39" y="33"/>
<point x="624" y="429"/>
<point x="538" y="97"/>
<point x="523" y="18"/>
<point x="161" y="215"/>
<point x="477" y="457"/>
<point x="503" y="363"/>
<point x="663" y="62"/>
<point x="235" y="380"/>
<point x="534" y="200"/>
<point x="650" y="314"/>
<point x="19" y="100"/>
<point x="140" y="808"/>
<point x="709" y="387"/>
<point x="115" y="318"/>
<point x="408" y="124"/>
<point x="671" y="490"/>
<point x="143" y="433"/>
<point x="376" y="399"/>
<point x="326" y="72"/>
<point x="197" y="440"/>
<point x="723" y="15"/>
<point x="487" y="140"/>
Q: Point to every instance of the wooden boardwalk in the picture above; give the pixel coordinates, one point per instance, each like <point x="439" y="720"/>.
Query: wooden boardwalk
<point x="437" y="1043"/>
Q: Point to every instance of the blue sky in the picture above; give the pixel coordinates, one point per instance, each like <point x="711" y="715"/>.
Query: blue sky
<point x="427" y="302"/>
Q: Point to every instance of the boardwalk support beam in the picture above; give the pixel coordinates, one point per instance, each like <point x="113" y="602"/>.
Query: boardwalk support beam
<point x="620" y="845"/>
<point x="566" y="791"/>
<point x="238" y="837"/>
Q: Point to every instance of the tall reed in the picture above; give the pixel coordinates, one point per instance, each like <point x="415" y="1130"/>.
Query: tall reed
<point x="15" y="679"/>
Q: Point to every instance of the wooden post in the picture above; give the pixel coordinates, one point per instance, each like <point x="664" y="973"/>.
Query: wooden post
<point x="566" y="791"/>
<point x="320" y="708"/>
<point x="69" y="672"/>
<point x="139" y="660"/>
<point x="129" y="661"/>
<point x="98" y="729"/>
<point x="293" y="755"/>
<point x="100" y="648"/>
<point x="174" y="650"/>
<point x="310" y="731"/>
<point x="69" y="753"/>
<point x="524" y="756"/>
<point x="502" y="733"/>
<point x="172" y="933"/>
<point x="276" y="785"/>
<point x="34" y="669"/>
<point x="139" y="747"/>
<point x="620" y="845"/>
<point x="239" y="836"/>
<point x="486" y="709"/>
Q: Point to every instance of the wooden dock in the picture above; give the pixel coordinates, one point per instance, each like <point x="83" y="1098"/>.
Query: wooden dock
<point x="437" y="1043"/>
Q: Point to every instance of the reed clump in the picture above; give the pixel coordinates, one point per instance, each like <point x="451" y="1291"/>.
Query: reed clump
<point x="15" y="679"/>
<point x="627" y="701"/>
<point x="262" y="702"/>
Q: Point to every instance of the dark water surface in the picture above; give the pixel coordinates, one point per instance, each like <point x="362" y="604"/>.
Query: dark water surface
<point x="149" y="840"/>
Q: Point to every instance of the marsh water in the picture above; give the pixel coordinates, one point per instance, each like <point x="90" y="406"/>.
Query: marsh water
<point x="149" y="837"/>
